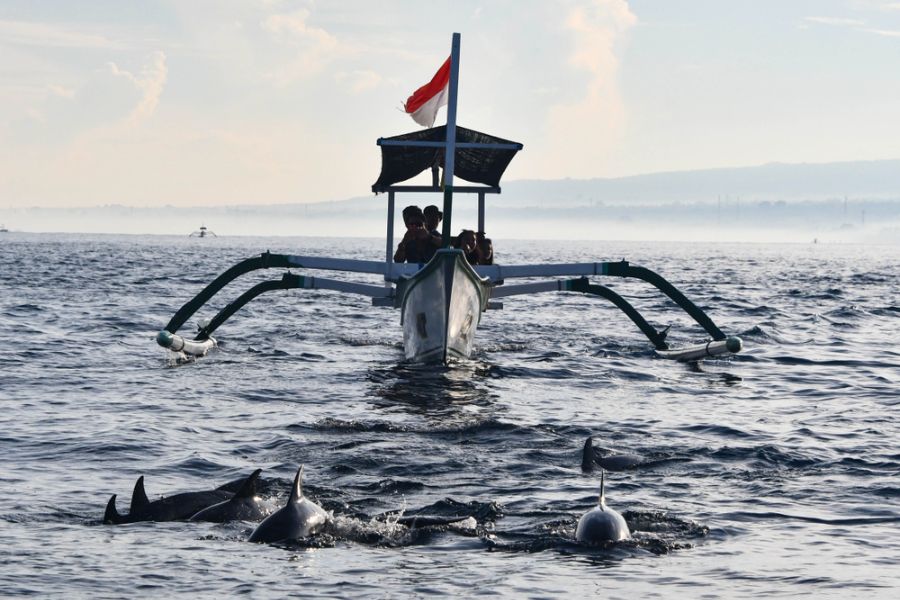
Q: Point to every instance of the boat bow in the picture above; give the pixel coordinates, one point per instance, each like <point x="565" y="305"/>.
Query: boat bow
<point x="441" y="307"/>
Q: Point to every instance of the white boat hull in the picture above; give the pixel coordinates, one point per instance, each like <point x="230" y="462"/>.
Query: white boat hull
<point x="441" y="307"/>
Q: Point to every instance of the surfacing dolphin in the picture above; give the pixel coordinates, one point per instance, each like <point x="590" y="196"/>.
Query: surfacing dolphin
<point x="179" y="507"/>
<point x="611" y="462"/>
<point x="245" y="505"/>
<point x="601" y="524"/>
<point x="299" y="518"/>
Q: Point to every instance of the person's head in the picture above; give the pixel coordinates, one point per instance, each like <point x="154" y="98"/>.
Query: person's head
<point x="433" y="216"/>
<point x="466" y="240"/>
<point x="413" y="213"/>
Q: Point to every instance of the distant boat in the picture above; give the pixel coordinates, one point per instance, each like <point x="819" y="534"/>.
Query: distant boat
<point x="3" y="229"/>
<point x="203" y="232"/>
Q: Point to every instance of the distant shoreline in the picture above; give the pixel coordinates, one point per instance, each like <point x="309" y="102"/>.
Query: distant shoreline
<point x="835" y="202"/>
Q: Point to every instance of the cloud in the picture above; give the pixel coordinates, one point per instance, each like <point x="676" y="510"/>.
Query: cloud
<point x="857" y="24"/>
<point x="35" y="115"/>
<point x="150" y="83"/>
<point x="294" y="28"/>
<point x="61" y="91"/>
<point x="50" y="35"/>
<point x="314" y="47"/>
<point x="835" y="21"/>
<point x="577" y="129"/>
<point x="359" y="81"/>
<point x="883" y="32"/>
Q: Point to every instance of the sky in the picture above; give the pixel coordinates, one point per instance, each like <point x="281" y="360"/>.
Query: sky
<point x="201" y="102"/>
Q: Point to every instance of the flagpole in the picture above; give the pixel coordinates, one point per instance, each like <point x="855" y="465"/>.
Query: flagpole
<point x="450" y="148"/>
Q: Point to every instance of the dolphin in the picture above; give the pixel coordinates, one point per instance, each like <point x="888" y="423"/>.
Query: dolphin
<point x="299" y="518"/>
<point x="173" y="508"/>
<point x="611" y="462"/>
<point x="245" y="505"/>
<point x="601" y="524"/>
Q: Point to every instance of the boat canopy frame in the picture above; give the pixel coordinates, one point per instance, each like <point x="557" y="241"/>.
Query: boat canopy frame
<point x="392" y="190"/>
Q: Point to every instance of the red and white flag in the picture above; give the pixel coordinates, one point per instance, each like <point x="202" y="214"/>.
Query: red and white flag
<point x="424" y="103"/>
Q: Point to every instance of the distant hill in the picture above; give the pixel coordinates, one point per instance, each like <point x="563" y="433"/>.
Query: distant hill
<point x="774" y="181"/>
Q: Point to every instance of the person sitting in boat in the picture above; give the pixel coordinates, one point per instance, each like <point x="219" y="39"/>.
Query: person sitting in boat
<point x="485" y="249"/>
<point x="476" y="254"/>
<point x="433" y="216"/>
<point x="417" y="245"/>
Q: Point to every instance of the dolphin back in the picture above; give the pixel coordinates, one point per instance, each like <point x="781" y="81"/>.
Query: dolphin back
<point x="299" y="518"/>
<point x="591" y="456"/>
<point x="236" y="509"/>
<point x="179" y="507"/>
<point x="245" y="505"/>
<point x="602" y="524"/>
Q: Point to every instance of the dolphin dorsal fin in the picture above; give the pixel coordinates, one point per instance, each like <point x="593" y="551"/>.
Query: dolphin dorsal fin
<point x="112" y="514"/>
<point x="297" y="490"/>
<point x="601" y="501"/>
<point x="587" y="455"/>
<point x="248" y="488"/>
<point x="139" y="497"/>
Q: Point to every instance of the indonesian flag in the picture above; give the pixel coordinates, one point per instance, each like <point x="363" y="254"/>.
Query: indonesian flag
<point x="424" y="103"/>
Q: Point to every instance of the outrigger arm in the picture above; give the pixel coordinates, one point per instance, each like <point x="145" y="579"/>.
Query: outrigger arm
<point x="720" y="343"/>
<point x="657" y="338"/>
<point x="393" y="272"/>
<point x="288" y="281"/>
<point x="203" y="342"/>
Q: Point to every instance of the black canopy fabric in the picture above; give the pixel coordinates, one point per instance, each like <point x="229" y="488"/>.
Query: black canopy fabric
<point x="477" y="165"/>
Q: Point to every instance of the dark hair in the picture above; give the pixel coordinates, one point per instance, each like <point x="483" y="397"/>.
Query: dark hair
<point x="458" y="240"/>
<point x="412" y="211"/>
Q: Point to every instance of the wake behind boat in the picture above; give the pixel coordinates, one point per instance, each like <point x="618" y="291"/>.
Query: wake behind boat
<point x="442" y="301"/>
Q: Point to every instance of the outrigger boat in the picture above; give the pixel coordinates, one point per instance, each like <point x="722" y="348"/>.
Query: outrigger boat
<point x="202" y="232"/>
<point x="441" y="302"/>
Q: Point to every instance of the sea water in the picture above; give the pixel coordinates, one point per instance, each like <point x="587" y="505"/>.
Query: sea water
<point x="773" y="473"/>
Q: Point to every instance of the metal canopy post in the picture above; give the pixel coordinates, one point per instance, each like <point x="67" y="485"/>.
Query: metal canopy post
<point x="481" y="212"/>
<point x="450" y="147"/>
<point x="389" y="245"/>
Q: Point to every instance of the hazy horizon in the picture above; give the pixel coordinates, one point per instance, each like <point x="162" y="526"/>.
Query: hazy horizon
<point x="825" y="221"/>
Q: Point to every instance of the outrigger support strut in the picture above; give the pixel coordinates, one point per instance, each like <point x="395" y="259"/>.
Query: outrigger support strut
<point x="288" y="281"/>
<point x="168" y="339"/>
<point x="264" y="261"/>
<point x="623" y="269"/>
<point x="267" y="260"/>
<point x="583" y="285"/>
<point x="720" y="343"/>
